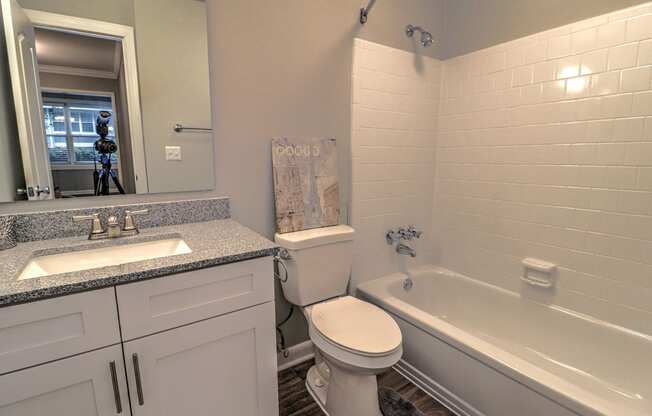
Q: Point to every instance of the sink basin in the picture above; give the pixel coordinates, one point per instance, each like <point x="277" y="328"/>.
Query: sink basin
<point x="102" y="257"/>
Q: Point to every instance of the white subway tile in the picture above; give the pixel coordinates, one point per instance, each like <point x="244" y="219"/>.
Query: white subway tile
<point x="553" y="90"/>
<point x="559" y="46"/>
<point x="584" y="40"/>
<point x="522" y="76"/>
<point x="611" y="34"/>
<point x="614" y="106"/>
<point x="639" y="28"/>
<point x="637" y="79"/>
<point x="589" y="109"/>
<point x="606" y="83"/>
<point x="568" y="67"/>
<point x="544" y="71"/>
<point x="623" y="56"/>
<point x="628" y="129"/>
<point x="578" y="87"/>
<point x="594" y="62"/>
<point x="644" y="179"/>
<point x="642" y="105"/>
<point x="645" y="53"/>
<point x="611" y="154"/>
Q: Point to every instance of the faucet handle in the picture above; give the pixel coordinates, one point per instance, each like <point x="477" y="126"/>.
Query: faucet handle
<point x="130" y="223"/>
<point x="96" y="226"/>
<point x="412" y="230"/>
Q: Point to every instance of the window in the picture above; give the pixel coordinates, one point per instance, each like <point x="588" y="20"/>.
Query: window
<point x="70" y="128"/>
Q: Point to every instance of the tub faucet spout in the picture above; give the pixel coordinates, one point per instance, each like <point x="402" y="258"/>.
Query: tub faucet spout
<point x="405" y="250"/>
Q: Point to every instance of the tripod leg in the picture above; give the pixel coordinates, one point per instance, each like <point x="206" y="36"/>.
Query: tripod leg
<point x="104" y="182"/>
<point x="98" y="183"/>
<point x="114" y="176"/>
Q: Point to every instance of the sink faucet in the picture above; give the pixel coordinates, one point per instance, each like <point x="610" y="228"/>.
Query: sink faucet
<point x="405" y="250"/>
<point x="113" y="229"/>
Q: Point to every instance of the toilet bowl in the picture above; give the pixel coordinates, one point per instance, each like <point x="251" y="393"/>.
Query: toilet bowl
<point x="354" y="340"/>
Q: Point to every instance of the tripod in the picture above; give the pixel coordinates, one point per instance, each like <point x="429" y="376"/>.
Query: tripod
<point x="101" y="177"/>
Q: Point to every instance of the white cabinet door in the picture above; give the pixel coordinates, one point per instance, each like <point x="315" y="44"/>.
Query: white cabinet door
<point x="221" y="366"/>
<point x="84" y="385"/>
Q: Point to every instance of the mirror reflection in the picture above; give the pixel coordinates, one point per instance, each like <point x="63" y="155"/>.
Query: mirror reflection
<point x="102" y="99"/>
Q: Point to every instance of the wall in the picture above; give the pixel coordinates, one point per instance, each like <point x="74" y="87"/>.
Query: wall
<point x="11" y="168"/>
<point x="174" y="88"/>
<point x="476" y="24"/>
<point x="545" y="150"/>
<point x="284" y="69"/>
<point x="393" y="136"/>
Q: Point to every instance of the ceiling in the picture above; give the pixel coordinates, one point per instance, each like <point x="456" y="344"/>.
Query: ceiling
<point x="59" y="51"/>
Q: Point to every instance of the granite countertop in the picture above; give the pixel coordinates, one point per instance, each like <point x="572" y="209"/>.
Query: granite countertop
<point x="212" y="243"/>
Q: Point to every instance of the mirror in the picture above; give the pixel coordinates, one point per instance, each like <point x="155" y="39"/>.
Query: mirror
<point x="103" y="98"/>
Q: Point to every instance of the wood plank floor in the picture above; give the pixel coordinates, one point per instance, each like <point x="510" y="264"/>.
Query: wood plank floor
<point x="294" y="399"/>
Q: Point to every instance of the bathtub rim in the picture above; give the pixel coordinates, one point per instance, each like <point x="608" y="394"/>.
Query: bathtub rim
<point x="540" y="381"/>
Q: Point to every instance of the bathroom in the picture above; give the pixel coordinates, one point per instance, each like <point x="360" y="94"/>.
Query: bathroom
<point x="486" y="247"/>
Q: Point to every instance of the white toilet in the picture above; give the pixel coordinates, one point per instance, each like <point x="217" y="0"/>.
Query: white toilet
<point x="355" y="340"/>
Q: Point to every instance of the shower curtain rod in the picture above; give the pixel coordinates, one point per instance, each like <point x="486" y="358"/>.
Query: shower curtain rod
<point x="364" y="12"/>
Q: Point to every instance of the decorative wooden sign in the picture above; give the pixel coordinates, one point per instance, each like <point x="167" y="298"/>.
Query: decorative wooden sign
<point x="306" y="184"/>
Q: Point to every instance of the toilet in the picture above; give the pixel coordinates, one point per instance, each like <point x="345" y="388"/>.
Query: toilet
<point x="354" y="340"/>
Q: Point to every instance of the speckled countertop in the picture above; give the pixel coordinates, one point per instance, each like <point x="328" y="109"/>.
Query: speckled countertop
<point x="212" y="243"/>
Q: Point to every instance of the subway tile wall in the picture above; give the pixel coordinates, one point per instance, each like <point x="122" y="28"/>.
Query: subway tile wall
<point x="544" y="150"/>
<point x="394" y="123"/>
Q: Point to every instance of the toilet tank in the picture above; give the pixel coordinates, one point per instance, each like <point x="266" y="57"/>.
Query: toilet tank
<point x="319" y="266"/>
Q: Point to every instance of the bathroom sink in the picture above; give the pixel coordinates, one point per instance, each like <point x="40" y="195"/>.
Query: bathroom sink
<point x="95" y="258"/>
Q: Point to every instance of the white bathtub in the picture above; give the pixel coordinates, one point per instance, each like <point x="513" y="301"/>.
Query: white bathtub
<point x="487" y="351"/>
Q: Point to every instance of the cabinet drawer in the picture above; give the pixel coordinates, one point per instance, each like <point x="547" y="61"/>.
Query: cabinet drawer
<point x="159" y="304"/>
<point x="46" y="330"/>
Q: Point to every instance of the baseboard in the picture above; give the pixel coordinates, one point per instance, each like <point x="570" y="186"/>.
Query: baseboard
<point x="297" y="354"/>
<point x="436" y="390"/>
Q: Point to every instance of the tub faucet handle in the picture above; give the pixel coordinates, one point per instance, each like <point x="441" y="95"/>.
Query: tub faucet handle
<point x="414" y="232"/>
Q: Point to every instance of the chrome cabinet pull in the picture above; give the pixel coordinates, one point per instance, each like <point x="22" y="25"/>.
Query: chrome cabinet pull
<point x="116" y="388"/>
<point x="139" y="384"/>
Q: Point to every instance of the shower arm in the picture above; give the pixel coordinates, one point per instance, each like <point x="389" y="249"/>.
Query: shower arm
<point x="364" y="12"/>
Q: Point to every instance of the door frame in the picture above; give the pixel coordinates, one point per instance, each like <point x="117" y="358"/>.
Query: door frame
<point x="125" y="35"/>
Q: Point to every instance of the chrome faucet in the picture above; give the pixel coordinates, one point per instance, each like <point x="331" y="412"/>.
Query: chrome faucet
<point x="405" y="250"/>
<point x="399" y="237"/>
<point x="113" y="229"/>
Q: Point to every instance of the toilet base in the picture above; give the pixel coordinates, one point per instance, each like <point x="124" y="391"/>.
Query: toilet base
<point x="317" y="387"/>
<point x="345" y="393"/>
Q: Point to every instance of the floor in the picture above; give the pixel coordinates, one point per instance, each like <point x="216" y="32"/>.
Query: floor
<point x="294" y="399"/>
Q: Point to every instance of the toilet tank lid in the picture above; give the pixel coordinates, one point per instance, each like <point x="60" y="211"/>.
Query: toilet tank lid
<point x="315" y="237"/>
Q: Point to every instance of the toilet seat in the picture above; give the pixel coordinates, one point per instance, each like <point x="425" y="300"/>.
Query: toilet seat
<point x="355" y="332"/>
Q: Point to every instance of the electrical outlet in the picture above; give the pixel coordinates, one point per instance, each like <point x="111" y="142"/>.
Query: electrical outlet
<point x="172" y="152"/>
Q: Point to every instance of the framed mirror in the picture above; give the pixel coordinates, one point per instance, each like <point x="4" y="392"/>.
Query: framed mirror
<point x="103" y="99"/>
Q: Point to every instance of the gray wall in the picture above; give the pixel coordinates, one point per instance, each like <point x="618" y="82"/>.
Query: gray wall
<point x="476" y="24"/>
<point x="283" y="68"/>
<point x="172" y="47"/>
<point x="11" y="167"/>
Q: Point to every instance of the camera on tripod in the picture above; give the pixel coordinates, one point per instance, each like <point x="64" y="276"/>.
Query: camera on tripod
<point x="105" y="147"/>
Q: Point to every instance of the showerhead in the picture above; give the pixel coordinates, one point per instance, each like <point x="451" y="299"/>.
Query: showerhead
<point x="426" y="37"/>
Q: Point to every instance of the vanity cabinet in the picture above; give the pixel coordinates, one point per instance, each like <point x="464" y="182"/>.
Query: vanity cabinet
<point x="220" y="366"/>
<point x="199" y="343"/>
<point x="75" y="386"/>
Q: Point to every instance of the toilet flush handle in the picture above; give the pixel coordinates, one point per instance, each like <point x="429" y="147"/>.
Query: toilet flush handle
<point x="282" y="254"/>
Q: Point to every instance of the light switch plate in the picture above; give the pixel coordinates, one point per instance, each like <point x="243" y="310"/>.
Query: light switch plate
<point x="172" y="152"/>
